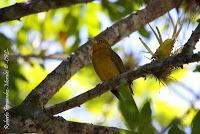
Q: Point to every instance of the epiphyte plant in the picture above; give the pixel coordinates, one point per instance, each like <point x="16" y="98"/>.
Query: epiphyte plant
<point x="164" y="50"/>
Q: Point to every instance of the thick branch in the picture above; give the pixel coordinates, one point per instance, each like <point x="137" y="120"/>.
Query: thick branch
<point x="19" y="10"/>
<point x="190" y="45"/>
<point x="56" y="79"/>
<point x="41" y="123"/>
<point x="149" y="68"/>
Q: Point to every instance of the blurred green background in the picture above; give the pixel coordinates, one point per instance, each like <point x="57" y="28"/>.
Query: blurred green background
<point x="32" y="39"/>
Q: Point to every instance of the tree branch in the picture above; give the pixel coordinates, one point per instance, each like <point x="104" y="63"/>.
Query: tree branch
<point x="42" y="123"/>
<point x="56" y="56"/>
<point x="81" y="57"/>
<point x="19" y="10"/>
<point x="149" y="68"/>
<point x="190" y="45"/>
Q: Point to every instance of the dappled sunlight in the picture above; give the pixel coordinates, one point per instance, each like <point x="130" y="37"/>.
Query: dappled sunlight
<point x="48" y="46"/>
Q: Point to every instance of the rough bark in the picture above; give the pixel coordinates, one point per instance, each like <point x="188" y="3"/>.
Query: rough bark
<point x="18" y="10"/>
<point x="81" y="57"/>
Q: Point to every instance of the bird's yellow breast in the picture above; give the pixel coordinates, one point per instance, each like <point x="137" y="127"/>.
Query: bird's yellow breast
<point x="103" y="64"/>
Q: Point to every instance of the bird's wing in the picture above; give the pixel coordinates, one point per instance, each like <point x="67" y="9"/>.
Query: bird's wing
<point x="118" y="62"/>
<point x="120" y="66"/>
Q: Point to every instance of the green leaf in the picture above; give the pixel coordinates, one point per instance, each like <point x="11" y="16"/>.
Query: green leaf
<point x="196" y="123"/>
<point x="144" y="32"/>
<point x="146" y="119"/>
<point x="21" y="76"/>
<point x="120" y="8"/>
<point x="197" y="69"/>
<point x="129" y="108"/>
<point x="175" y="130"/>
<point x="22" y="36"/>
<point x="198" y="53"/>
<point x="147" y="1"/>
<point x="91" y="12"/>
<point x="5" y="43"/>
<point x="97" y="105"/>
<point x="146" y="112"/>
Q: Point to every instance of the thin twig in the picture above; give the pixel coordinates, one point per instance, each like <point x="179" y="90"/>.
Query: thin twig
<point x="57" y="56"/>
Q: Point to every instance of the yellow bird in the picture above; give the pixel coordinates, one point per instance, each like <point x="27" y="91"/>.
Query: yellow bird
<point x="107" y="63"/>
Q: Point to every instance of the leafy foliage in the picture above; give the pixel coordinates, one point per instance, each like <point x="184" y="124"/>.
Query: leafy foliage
<point x="175" y="130"/>
<point x="197" y="69"/>
<point x="196" y="124"/>
<point x="129" y="108"/>
<point x="146" y="119"/>
<point x="9" y="70"/>
<point x="63" y="31"/>
<point x="139" y="121"/>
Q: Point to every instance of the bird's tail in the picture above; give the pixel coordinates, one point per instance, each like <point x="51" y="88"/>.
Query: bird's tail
<point x="130" y="86"/>
<point x="116" y="93"/>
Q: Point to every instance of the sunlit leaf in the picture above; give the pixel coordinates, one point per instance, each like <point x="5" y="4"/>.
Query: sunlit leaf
<point x="196" y="123"/>
<point x="22" y="37"/>
<point x="188" y="119"/>
<point x="175" y="130"/>
<point x="128" y="108"/>
<point x="197" y="69"/>
<point x="144" y="32"/>
<point x="146" y="119"/>
<point x="98" y="105"/>
<point x="5" y="43"/>
<point x="162" y="114"/>
<point x="93" y="26"/>
<point x="120" y="8"/>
